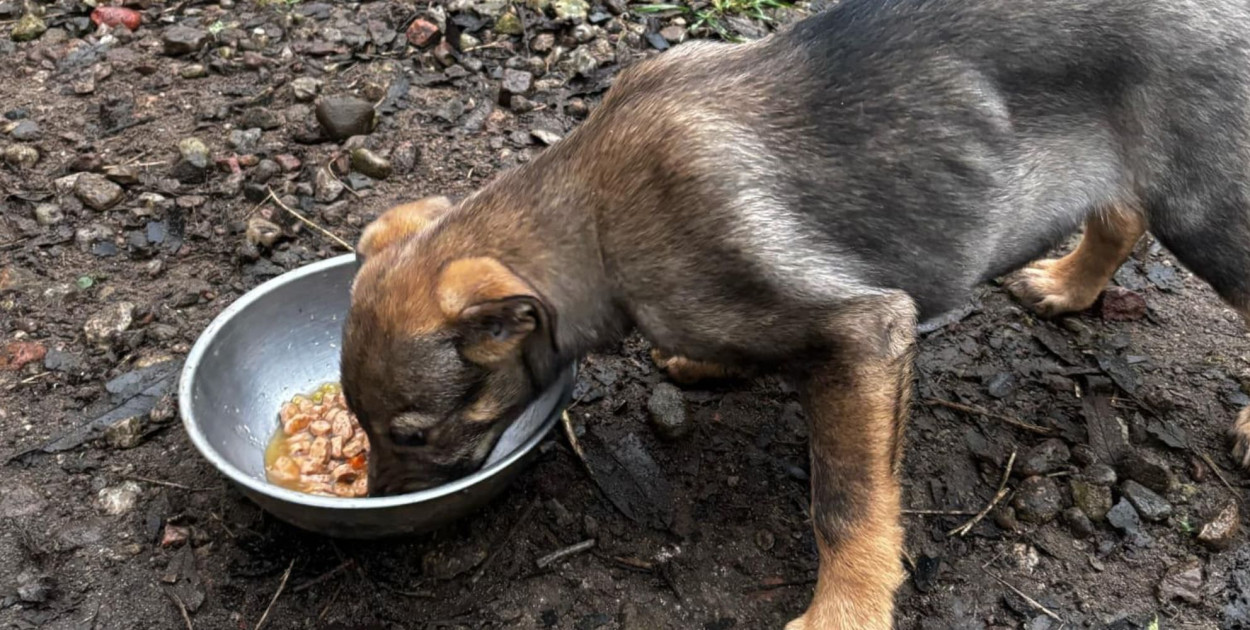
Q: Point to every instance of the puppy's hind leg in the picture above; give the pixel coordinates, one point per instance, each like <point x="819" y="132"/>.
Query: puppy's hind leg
<point x="1065" y="285"/>
<point x="688" y="371"/>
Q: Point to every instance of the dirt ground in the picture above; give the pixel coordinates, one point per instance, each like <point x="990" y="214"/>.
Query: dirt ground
<point x="135" y="204"/>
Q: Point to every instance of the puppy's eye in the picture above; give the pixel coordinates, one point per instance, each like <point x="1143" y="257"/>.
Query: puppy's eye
<point x="408" y="437"/>
<point x="496" y="329"/>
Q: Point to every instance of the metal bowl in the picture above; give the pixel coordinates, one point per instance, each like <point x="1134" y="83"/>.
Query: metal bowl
<point x="282" y="338"/>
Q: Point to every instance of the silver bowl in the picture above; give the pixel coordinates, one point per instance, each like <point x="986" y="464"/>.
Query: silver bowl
<point x="282" y="338"/>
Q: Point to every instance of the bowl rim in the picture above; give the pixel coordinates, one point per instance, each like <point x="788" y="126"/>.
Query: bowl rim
<point x="205" y="340"/>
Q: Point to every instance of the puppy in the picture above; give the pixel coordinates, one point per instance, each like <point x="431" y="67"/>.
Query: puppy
<point x="795" y="204"/>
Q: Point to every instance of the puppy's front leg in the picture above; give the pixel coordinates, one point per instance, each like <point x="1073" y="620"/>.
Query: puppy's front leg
<point x="856" y="404"/>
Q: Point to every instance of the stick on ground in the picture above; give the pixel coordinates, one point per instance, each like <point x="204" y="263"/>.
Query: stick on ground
<point x="309" y="223"/>
<point x="1002" y="493"/>
<point x="561" y="554"/>
<point x="1019" y="424"/>
<point x="281" y="585"/>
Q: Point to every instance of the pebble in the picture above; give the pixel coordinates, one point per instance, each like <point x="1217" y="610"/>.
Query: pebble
<point x="326" y="186"/>
<point x="17" y="354"/>
<point x="175" y="535"/>
<point x="304" y="89"/>
<point x="1038" y="500"/>
<point x="1100" y="474"/>
<point x="261" y="118"/>
<point x="582" y="62"/>
<point x="288" y="162"/>
<point x="543" y="42"/>
<point x="1219" y="532"/>
<point x="369" y="163"/>
<point x="1122" y="305"/>
<point x="421" y="32"/>
<point x="673" y="34"/>
<point x="667" y="408"/>
<point x="1045" y="458"/>
<point x="193" y="71"/>
<point x="48" y="214"/>
<point x="244" y="140"/>
<point x="1092" y="499"/>
<point x="1182" y="581"/>
<point x="545" y="136"/>
<point x="1124" y="518"/>
<point x="194" y="152"/>
<point x="114" y="319"/>
<point x="119" y="499"/>
<point x="571" y="10"/>
<point x="1000" y="385"/>
<point x="517" y="81"/>
<point x="1150" y="470"/>
<point x="1078" y="523"/>
<point x="262" y="232"/>
<point x="1150" y="506"/>
<point x="509" y="24"/>
<point x="584" y="33"/>
<point x="125" y="433"/>
<point x="180" y="40"/>
<point x="34" y="589"/>
<point x="20" y="500"/>
<point x="345" y="116"/>
<point x="25" y="131"/>
<point x="21" y="155"/>
<point x="97" y="192"/>
<point x="28" y="28"/>
<point x="122" y="174"/>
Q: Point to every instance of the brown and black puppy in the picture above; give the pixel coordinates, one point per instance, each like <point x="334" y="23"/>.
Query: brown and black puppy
<point x="794" y="204"/>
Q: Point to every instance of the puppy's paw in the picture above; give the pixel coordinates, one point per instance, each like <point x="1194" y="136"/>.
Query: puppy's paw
<point x="1051" y="288"/>
<point x="797" y="624"/>
<point x="687" y="371"/>
<point x="1240" y="432"/>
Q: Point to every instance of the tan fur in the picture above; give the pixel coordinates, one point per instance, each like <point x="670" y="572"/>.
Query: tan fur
<point x="1240" y="433"/>
<point x="1065" y="285"/>
<point x="688" y="371"/>
<point x="400" y="223"/>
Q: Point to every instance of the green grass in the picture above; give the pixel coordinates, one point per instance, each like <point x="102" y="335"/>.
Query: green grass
<point x="712" y="15"/>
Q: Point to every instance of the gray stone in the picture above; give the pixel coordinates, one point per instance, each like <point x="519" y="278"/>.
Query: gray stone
<point x="545" y="136"/>
<point x="1124" y="518"/>
<point x="194" y="152"/>
<point x="244" y="140"/>
<point x="1100" y="474"/>
<point x="1150" y="506"/>
<point x="34" y="589"/>
<point x="1182" y="581"/>
<point x="97" y="192"/>
<point x="180" y="40"/>
<point x="25" y="130"/>
<point x="517" y="81"/>
<point x="48" y="214"/>
<point x="1045" y="458"/>
<point x="1038" y="500"/>
<point x="19" y="500"/>
<point x="1078" y="523"/>
<point x="327" y="187"/>
<point x="104" y="326"/>
<point x="667" y="408"/>
<point x="119" y="499"/>
<point x="1092" y="499"/>
<point x="581" y="62"/>
<point x="305" y="89"/>
<point x="345" y="116"/>
<point x="1148" y="469"/>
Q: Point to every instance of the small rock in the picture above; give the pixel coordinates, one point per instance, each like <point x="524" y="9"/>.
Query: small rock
<point x="25" y="131"/>
<point x="345" y="116"/>
<point x="304" y="89"/>
<point x="244" y="140"/>
<point x="14" y="278"/>
<point x="180" y="40"/>
<point x="509" y="24"/>
<point x="1000" y="385"/>
<point x="421" y="32"/>
<point x="103" y="327"/>
<point x="262" y="232"/>
<point x="444" y="54"/>
<point x="543" y="42"/>
<point x="1100" y="474"/>
<point x="571" y="10"/>
<point x="1122" y="305"/>
<point x="1150" y="506"/>
<point x="261" y="118"/>
<point x="327" y="187"/>
<point x="369" y="163"/>
<point x="34" y="589"/>
<point x="582" y="62"/>
<point x="28" y="28"/>
<point x="120" y="499"/>
<point x="17" y="354"/>
<point x="1093" y="500"/>
<point x="175" y="535"/>
<point x="1005" y="518"/>
<point x="584" y="33"/>
<point x="1220" y="531"/>
<point x="194" y="152"/>
<point x="117" y="16"/>
<point x="1124" y="518"/>
<point x="1150" y="470"/>
<point x="125" y="433"/>
<point x="1045" y="458"/>
<point x="193" y="71"/>
<point x="517" y="81"/>
<point x="1038" y="500"/>
<point x="288" y="162"/>
<point x="1182" y="581"/>
<point x="21" y="155"/>
<point x="673" y="34"/>
<point x="47" y="214"/>
<point x="667" y="407"/>
<point x="1079" y="524"/>
<point x="97" y="192"/>
<point x="122" y="174"/>
<point x="545" y="136"/>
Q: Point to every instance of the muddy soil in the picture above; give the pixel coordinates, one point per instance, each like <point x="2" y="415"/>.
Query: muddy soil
<point x="141" y="192"/>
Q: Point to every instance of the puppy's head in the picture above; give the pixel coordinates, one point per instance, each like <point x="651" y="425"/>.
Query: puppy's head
<point x="436" y="352"/>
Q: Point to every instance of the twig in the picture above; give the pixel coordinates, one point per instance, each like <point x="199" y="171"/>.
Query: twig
<point x="182" y="608"/>
<point x="281" y="585"/>
<point x="1032" y="602"/>
<point x="768" y="587"/>
<point x="1019" y="424"/>
<point x="561" y="554"/>
<point x="168" y="484"/>
<point x="346" y="564"/>
<point x="484" y="46"/>
<point x="301" y="217"/>
<point x="1218" y="473"/>
<point x="325" y="611"/>
<point x="576" y="444"/>
<point x="938" y="513"/>
<point x="32" y="379"/>
<point x="1002" y="492"/>
<point x="525" y="517"/>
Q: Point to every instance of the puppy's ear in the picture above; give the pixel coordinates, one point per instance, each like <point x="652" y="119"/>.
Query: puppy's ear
<point x="494" y="309"/>
<point x="399" y="223"/>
